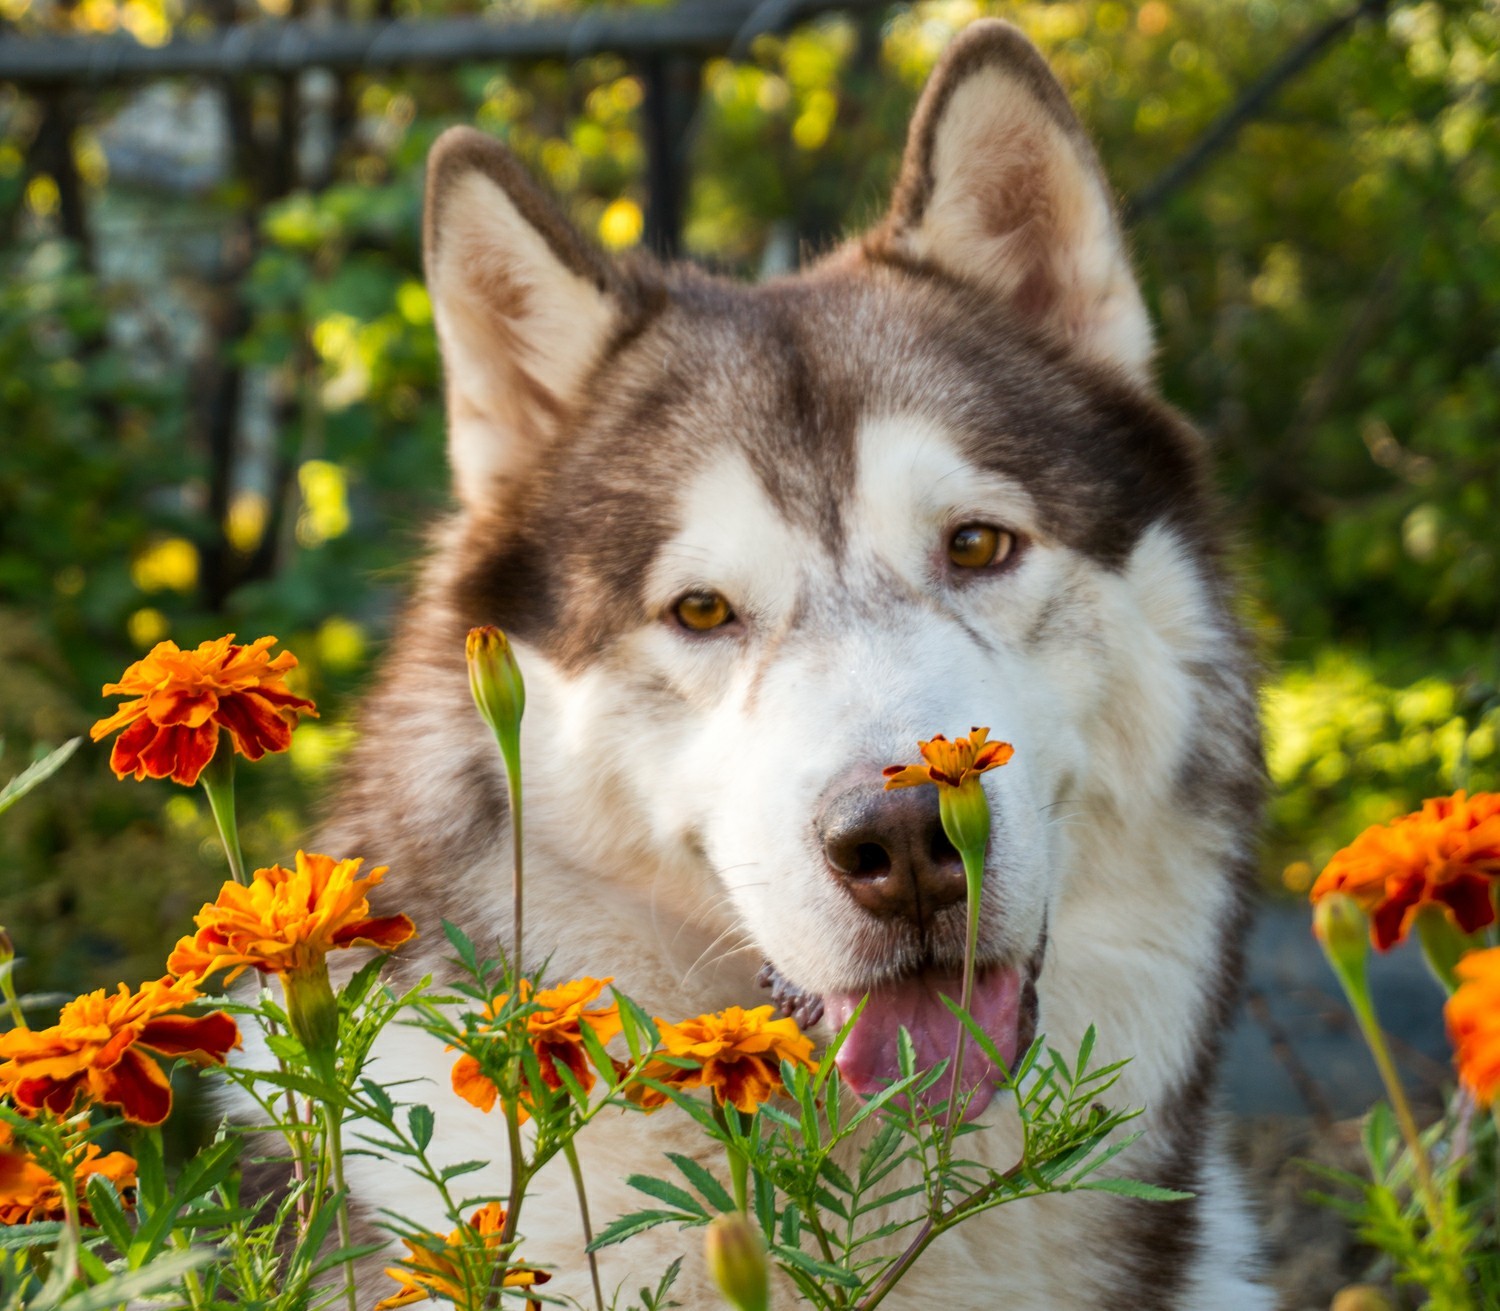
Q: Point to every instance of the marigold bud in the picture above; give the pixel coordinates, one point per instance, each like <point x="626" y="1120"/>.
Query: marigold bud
<point x="737" y="1260"/>
<point x="495" y="680"/>
<point x="1343" y="931"/>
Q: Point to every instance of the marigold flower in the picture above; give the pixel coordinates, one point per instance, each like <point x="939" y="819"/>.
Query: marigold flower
<point x="28" y="1194"/>
<point x="556" y="1033"/>
<point x="104" y="1047"/>
<point x="1447" y="854"/>
<point x="287" y="920"/>
<point x="183" y="698"/>
<point x="1473" y="1016"/>
<point x="457" y="1268"/>
<point x="954" y="768"/>
<point x="737" y="1053"/>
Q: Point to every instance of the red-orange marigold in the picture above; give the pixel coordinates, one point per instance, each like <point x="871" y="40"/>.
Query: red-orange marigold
<point x="28" y="1194"/>
<point x="288" y="920"/>
<point x="104" y="1047"/>
<point x="736" y="1053"/>
<point x="556" y="1033"/>
<point x="1473" y="1016"/>
<point x="1447" y="854"/>
<point x="951" y="764"/>
<point x="182" y="699"/>
<point x="457" y="1269"/>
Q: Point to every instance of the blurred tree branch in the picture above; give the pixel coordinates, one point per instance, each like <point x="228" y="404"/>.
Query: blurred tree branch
<point x="1250" y="105"/>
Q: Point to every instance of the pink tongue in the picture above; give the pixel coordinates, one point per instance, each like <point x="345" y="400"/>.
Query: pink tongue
<point x="867" y="1060"/>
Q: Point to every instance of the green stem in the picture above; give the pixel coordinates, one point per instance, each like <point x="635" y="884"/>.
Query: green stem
<point x="511" y="751"/>
<point x="739" y="1175"/>
<point x="570" y="1150"/>
<point x="12" y="1001"/>
<point x="333" y="1132"/>
<point x="517" y="1195"/>
<point x="218" y="783"/>
<point x="974" y="877"/>
<point x="1391" y="1078"/>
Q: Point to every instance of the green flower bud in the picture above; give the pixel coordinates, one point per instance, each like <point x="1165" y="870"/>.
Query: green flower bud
<point x="1343" y="931"/>
<point x="737" y="1260"/>
<point x="495" y="680"/>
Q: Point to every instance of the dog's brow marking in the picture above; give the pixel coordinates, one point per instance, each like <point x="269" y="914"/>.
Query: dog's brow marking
<point x="772" y="647"/>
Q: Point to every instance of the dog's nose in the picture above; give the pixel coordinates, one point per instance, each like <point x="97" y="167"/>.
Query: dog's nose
<point x="889" y="850"/>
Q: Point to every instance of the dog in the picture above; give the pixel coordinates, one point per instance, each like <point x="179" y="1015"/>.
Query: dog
<point x="751" y="543"/>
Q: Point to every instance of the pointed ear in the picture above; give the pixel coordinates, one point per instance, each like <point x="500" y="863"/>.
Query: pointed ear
<point x="523" y="306"/>
<point x="999" y="186"/>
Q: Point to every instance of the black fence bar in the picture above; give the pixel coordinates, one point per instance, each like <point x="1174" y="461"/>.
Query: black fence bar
<point x="693" y="28"/>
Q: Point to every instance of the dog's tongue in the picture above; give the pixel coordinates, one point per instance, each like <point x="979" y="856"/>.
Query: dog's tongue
<point x="867" y="1060"/>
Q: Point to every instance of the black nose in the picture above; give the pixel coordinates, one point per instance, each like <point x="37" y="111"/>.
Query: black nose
<point x="889" y="850"/>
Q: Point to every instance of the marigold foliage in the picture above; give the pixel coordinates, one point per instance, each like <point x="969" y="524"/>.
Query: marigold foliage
<point x="736" y="1053"/>
<point x="1447" y="854"/>
<point x="456" y="1268"/>
<point x="105" y="1048"/>
<point x="555" y="1031"/>
<point x="287" y="920"/>
<point x="182" y="699"/>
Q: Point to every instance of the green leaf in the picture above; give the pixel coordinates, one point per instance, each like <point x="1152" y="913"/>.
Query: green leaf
<point x="1135" y="1188"/>
<point x="703" y="1180"/>
<point x="463" y="946"/>
<point x="37" y="774"/>
<point x="638" y="1222"/>
<point x="449" y="1172"/>
<point x="671" y="1194"/>
<point x="796" y="1257"/>
<point x="162" y="1271"/>
<point x="419" y="1120"/>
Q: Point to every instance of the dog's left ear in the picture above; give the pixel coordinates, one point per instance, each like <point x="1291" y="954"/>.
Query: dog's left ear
<point x="1001" y="187"/>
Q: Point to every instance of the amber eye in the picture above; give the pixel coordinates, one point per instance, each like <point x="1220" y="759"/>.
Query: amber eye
<point x="977" y="546"/>
<point x="703" y="611"/>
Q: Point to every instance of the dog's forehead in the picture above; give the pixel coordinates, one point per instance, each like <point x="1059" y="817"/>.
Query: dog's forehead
<point x="792" y="377"/>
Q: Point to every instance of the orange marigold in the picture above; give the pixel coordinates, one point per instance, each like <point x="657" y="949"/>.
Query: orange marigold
<point x="951" y="763"/>
<point x="737" y="1053"/>
<point x="556" y="1033"/>
<point x="1473" y="1016"/>
<point x="28" y="1194"/>
<point x="457" y="1268"/>
<point x="105" y="1048"/>
<point x="1447" y="854"/>
<point x="181" y="699"/>
<point x="287" y="920"/>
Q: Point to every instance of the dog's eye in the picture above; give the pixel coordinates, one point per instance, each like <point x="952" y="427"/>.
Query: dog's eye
<point x="703" y="611"/>
<point x="978" y="546"/>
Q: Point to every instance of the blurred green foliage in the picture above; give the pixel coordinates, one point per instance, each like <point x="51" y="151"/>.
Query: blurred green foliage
<point x="1327" y="290"/>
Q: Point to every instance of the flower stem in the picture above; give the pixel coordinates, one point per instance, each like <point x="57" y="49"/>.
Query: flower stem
<point x="570" y="1150"/>
<point x="974" y="877"/>
<point x="513" y="1202"/>
<point x="333" y="1135"/>
<point x="1375" y="1039"/>
<point x="513" y="784"/>
<point x="218" y="784"/>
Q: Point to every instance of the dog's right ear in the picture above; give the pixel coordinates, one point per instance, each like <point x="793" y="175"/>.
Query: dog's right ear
<point x="523" y="307"/>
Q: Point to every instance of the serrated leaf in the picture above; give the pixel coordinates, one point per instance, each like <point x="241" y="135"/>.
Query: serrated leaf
<point x="638" y="1222"/>
<point x="666" y="1192"/>
<point x="123" y="1288"/>
<point x="797" y="1258"/>
<point x="703" y="1180"/>
<point x="1135" y="1188"/>
<point x="451" y="1172"/>
<point x="419" y="1120"/>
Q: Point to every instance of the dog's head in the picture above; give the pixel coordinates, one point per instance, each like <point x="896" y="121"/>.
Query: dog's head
<point x="755" y="542"/>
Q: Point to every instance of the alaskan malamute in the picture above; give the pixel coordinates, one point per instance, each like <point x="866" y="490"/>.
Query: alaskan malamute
<point x="752" y="543"/>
